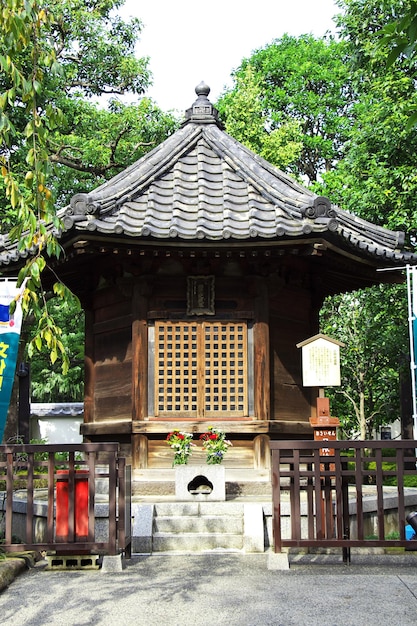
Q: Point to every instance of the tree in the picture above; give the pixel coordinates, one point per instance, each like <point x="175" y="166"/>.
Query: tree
<point x="375" y="177"/>
<point x="400" y="34"/>
<point x="48" y="383"/>
<point x="399" y="38"/>
<point x="246" y="120"/>
<point x="296" y="89"/>
<point x="95" y="143"/>
<point x="371" y="361"/>
<point x="57" y="55"/>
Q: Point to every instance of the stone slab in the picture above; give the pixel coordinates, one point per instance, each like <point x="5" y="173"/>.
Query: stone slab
<point x="142" y="528"/>
<point x="253" y="524"/>
<point x="112" y="564"/>
<point x="278" y="561"/>
<point x="200" y="483"/>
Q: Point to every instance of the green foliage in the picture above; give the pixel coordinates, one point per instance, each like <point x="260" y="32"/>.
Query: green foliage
<point x="95" y="144"/>
<point x="55" y="56"/>
<point x="291" y="102"/>
<point x="48" y="383"/>
<point x="399" y="38"/>
<point x="375" y="177"/>
<point x="246" y="121"/>
<point x="372" y="323"/>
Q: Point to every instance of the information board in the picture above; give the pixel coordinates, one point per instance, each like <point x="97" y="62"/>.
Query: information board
<point x="320" y="361"/>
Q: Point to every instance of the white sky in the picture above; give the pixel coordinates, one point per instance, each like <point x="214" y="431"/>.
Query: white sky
<point x="191" y="40"/>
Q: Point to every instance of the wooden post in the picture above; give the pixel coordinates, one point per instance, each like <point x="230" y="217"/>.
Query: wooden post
<point x="261" y="452"/>
<point x="324" y="426"/>
<point x="139" y="451"/>
<point x="325" y="430"/>
<point x="261" y="376"/>
<point x="89" y="366"/>
<point x="140" y="350"/>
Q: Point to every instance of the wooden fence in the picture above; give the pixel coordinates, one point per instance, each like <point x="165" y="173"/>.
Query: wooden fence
<point x="356" y="497"/>
<point x="55" y="489"/>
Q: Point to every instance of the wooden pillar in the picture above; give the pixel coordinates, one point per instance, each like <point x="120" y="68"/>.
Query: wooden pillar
<point x="139" y="452"/>
<point x="261" y="452"/>
<point x="89" y="367"/>
<point x="140" y="350"/>
<point x="262" y="392"/>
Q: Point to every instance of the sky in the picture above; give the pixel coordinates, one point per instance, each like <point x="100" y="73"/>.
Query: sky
<point x="189" y="40"/>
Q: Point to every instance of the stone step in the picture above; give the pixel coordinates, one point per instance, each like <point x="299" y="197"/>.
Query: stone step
<point x="195" y="542"/>
<point x="204" y="524"/>
<point x="165" y="527"/>
<point x="197" y="526"/>
<point x="198" y="509"/>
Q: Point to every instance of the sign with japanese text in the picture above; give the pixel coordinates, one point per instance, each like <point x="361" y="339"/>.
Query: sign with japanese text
<point x="10" y="325"/>
<point x="320" y="361"/>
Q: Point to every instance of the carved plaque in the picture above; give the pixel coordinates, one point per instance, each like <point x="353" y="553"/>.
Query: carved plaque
<point x="200" y="295"/>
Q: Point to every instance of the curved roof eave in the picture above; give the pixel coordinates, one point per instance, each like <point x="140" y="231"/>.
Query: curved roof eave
<point x="201" y="185"/>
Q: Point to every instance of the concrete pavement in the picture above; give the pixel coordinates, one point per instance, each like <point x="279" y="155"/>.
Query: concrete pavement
<point x="232" y="589"/>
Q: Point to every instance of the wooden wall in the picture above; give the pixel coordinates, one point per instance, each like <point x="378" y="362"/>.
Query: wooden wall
<point x="112" y="354"/>
<point x="291" y="321"/>
<point x="279" y="308"/>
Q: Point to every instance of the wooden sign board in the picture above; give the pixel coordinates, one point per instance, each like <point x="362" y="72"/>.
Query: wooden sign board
<point x="320" y="361"/>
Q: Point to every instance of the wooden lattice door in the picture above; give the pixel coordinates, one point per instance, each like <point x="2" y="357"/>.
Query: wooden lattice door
<point x="201" y="369"/>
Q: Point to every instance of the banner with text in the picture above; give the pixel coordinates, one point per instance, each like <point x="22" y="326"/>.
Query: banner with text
<point x="10" y="326"/>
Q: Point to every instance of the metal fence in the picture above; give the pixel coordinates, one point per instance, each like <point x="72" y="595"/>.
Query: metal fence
<point x="51" y="494"/>
<point x="356" y="497"/>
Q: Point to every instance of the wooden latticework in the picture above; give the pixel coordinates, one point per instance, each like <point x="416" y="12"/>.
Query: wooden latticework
<point x="201" y="369"/>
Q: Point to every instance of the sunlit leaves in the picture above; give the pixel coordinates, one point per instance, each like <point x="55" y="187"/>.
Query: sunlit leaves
<point x="291" y="103"/>
<point x="399" y="36"/>
<point x="376" y="178"/>
<point x="372" y="323"/>
<point x="53" y="54"/>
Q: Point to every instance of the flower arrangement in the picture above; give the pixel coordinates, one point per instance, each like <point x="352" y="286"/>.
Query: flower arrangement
<point x="215" y="445"/>
<point x="180" y="442"/>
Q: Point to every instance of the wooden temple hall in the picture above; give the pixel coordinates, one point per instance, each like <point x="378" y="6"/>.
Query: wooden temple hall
<point x="200" y="268"/>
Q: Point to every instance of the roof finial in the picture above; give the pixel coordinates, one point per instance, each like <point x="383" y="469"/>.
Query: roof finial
<point x="202" y="111"/>
<point x="202" y="89"/>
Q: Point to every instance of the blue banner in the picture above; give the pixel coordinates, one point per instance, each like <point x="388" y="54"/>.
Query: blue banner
<point x="10" y="325"/>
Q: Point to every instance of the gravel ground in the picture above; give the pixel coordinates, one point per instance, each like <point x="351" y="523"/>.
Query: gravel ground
<point x="233" y="589"/>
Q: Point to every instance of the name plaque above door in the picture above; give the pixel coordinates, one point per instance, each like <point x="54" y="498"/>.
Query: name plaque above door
<point x="200" y="295"/>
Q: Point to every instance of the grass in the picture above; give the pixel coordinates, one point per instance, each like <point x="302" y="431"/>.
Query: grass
<point x="410" y="480"/>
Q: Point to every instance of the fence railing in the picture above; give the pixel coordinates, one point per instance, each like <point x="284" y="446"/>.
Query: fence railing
<point x="50" y="496"/>
<point x="356" y="497"/>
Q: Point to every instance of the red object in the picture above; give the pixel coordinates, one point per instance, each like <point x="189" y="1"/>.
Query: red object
<point x="80" y="505"/>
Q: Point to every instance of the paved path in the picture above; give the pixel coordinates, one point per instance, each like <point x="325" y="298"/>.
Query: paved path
<point x="229" y="589"/>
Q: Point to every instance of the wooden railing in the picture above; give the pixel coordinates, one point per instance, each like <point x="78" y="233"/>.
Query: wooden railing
<point x="49" y="495"/>
<point x="342" y="500"/>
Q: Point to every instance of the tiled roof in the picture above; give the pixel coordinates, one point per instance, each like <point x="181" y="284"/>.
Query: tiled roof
<point x="54" y="409"/>
<point x="201" y="184"/>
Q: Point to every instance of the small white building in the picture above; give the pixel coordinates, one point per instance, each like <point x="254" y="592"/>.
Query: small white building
<point x="56" y="422"/>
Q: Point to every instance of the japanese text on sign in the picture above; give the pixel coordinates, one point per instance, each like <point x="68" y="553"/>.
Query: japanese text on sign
<point x="321" y="364"/>
<point x="3" y="357"/>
